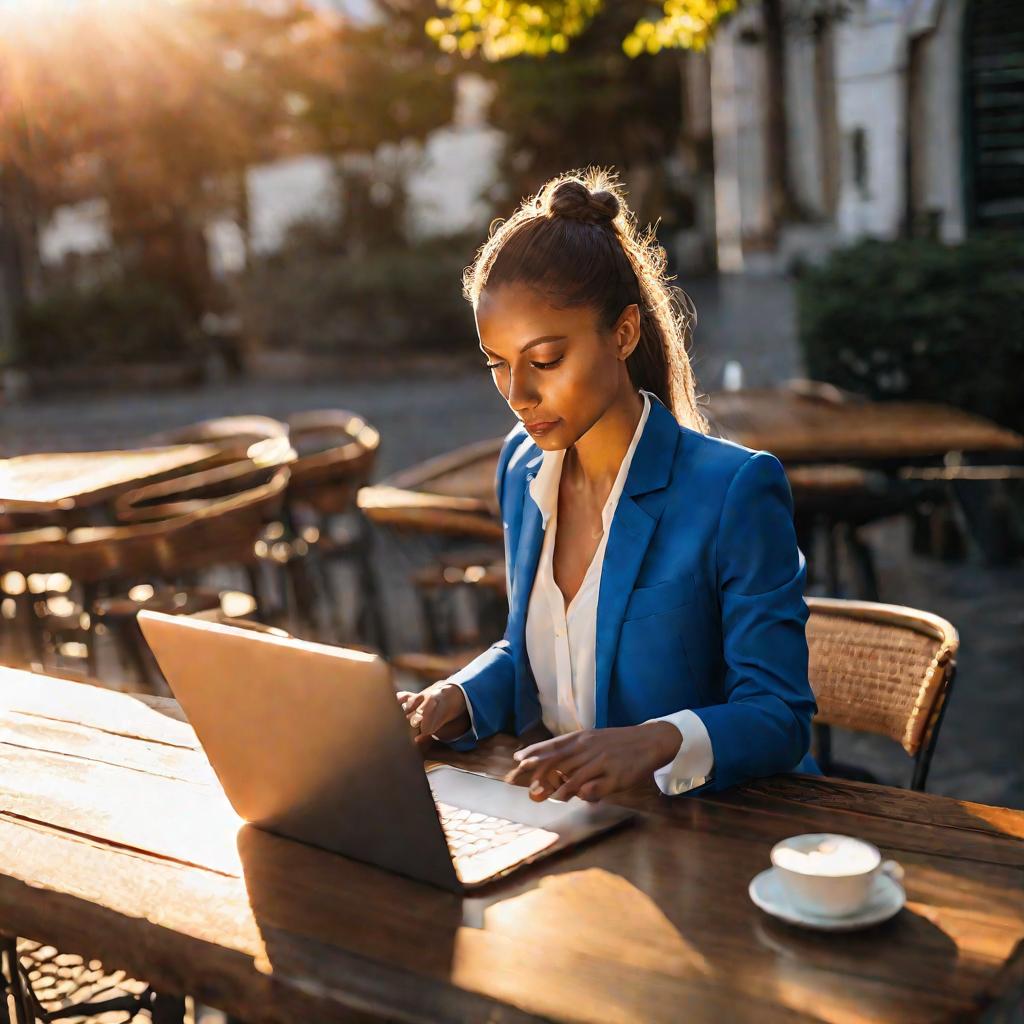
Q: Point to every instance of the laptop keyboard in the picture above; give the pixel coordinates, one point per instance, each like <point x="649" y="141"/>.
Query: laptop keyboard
<point x="482" y="845"/>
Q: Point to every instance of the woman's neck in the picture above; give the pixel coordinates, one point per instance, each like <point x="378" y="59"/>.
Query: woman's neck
<point x="593" y="462"/>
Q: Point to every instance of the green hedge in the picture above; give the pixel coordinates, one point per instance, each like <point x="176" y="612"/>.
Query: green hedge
<point x="318" y="295"/>
<point x="125" y="321"/>
<point x="920" y="321"/>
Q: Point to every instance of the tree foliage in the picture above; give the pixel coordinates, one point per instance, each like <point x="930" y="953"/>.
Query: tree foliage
<point x="158" y="106"/>
<point x="499" y="29"/>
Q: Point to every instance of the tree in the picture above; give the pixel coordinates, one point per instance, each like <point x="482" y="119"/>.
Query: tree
<point x="499" y="29"/>
<point x="160" y="107"/>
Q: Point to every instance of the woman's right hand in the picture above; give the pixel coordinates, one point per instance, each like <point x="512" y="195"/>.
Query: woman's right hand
<point x="439" y="710"/>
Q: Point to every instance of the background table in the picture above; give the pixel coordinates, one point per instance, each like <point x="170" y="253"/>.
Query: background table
<point x="116" y="842"/>
<point x="800" y="428"/>
<point x="59" y="481"/>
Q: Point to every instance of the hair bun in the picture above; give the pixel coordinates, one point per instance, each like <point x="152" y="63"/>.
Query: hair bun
<point x="573" y="200"/>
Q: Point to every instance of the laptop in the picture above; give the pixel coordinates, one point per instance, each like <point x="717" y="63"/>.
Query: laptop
<point x="309" y="742"/>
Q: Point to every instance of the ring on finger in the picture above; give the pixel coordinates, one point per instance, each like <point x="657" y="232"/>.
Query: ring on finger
<point x="561" y="775"/>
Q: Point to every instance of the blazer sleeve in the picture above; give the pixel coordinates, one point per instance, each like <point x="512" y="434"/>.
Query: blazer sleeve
<point x="489" y="679"/>
<point x="764" y="726"/>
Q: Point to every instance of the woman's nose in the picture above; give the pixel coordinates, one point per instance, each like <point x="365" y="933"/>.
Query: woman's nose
<point x="522" y="395"/>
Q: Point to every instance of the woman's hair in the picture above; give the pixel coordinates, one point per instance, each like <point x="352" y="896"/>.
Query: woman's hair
<point x="577" y="243"/>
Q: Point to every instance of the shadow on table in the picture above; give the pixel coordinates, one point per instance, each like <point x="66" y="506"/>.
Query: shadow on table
<point x="326" y="920"/>
<point x="571" y="933"/>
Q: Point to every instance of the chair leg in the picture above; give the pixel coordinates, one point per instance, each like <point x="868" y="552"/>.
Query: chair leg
<point x="823" y="743"/>
<point x="14" y="982"/>
<point x="32" y="630"/>
<point x="371" y="618"/>
<point x="90" y="593"/>
<point x="923" y="761"/>
<point x="168" y="1009"/>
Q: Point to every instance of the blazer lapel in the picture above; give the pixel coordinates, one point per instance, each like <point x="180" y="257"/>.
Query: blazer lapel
<point x="531" y="539"/>
<point x="633" y="525"/>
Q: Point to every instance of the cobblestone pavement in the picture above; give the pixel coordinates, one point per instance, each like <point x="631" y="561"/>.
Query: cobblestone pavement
<point x="980" y="755"/>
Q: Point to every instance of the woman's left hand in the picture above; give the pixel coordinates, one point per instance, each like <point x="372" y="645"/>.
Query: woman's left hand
<point x="592" y="763"/>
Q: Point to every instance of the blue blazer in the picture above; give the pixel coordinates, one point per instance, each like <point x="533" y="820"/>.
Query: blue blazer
<point x="700" y="605"/>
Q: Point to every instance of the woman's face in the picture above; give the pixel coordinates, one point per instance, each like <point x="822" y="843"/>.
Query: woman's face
<point x="556" y="368"/>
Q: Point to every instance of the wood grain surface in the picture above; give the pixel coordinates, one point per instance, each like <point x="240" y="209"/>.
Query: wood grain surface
<point x="116" y="842"/>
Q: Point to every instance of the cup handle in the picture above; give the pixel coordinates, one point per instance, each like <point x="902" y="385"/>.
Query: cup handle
<point x="893" y="869"/>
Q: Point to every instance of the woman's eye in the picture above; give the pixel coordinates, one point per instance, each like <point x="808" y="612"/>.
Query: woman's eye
<point x="536" y="365"/>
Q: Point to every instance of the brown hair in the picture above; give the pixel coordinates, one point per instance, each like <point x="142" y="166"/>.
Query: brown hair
<point x="577" y="242"/>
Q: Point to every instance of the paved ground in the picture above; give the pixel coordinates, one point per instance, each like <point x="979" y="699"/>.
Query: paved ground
<point x="981" y="751"/>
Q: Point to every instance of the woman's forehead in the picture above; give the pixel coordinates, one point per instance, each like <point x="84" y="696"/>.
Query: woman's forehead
<point x="515" y="309"/>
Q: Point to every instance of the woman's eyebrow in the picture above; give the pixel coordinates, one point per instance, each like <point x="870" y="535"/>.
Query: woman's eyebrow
<point x="530" y="344"/>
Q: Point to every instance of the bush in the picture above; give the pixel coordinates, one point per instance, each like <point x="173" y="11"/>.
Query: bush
<point x="920" y="321"/>
<point x="116" y="322"/>
<point x="318" y="295"/>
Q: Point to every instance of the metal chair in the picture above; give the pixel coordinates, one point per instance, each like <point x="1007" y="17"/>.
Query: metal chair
<point x="880" y="669"/>
<point x="79" y="992"/>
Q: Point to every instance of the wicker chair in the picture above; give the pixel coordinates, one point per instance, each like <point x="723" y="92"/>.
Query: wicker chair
<point x="880" y="669"/>
<point x="232" y="433"/>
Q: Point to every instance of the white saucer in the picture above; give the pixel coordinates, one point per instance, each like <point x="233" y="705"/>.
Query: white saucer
<point x="885" y="899"/>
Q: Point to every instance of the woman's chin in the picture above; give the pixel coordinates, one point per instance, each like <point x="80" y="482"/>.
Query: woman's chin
<point x="550" y="442"/>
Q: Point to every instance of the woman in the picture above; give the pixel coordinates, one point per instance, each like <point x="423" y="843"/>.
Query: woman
<point x="656" y="612"/>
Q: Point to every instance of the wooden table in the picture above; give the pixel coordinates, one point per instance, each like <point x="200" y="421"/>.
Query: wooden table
<point x="435" y="514"/>
<point x="117" y="843"/>
<point x="61" y="481"/>
<point x="797" y="428"/>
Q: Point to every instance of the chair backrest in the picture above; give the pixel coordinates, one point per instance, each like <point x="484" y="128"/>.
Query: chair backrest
<point x="437" y="514"/>
<point x="196" y="491"/>
<point x="233" y="433"/>
<point x="222" y="532"/>
<point x="880" y="668"/>
<point x="466" y="472"/>
<point x="337" y="452"/>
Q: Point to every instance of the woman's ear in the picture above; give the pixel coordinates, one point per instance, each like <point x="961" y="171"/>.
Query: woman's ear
<point x="627" y="331"/>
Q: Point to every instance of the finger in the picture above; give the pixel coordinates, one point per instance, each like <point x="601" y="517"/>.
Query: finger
<point x="576" y="781"/>
<point x="424" y="714"/>
<point x="432" y="715"/>
<point x="546" y="747"/>
<point x="409" y="701"/>
<point x="545" y="769"/>
<point x="595" y="789"/>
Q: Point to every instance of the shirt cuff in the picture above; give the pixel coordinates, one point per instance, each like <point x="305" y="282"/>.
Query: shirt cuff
<point x="470" y="733"/>
<point x="695" y="762"/>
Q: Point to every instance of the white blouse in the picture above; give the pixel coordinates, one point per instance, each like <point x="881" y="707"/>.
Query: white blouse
<point x="561" y="642"/>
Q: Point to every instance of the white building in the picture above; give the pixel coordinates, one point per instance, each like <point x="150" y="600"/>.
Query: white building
<point x="903" y="116"/>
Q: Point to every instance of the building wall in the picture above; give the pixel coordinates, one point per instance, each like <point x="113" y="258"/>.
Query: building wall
<point x="936" y="120"/>
<point x="886" y="120"/>
<point x="871" y="107"/>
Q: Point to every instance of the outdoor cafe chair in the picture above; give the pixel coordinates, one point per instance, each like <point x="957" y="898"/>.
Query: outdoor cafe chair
<point x="108" y="560"/>
<point x="46" y="986"/>
<point x="324" y="527"/>
<point x="881" y="669"/>
<point x="234" y="434"/>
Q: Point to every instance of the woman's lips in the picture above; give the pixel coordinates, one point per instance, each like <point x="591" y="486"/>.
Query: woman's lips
<point x="540" y="428"/>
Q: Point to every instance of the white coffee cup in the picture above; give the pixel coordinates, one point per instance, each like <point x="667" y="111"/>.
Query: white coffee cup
<point x="828" y="874"/>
